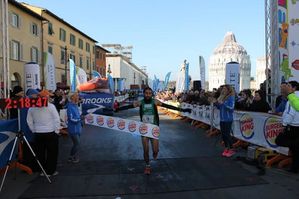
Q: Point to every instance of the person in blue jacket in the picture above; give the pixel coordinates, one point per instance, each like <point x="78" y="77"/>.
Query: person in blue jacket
<point x="74" y="126"/>
<point x="226" y="104"/>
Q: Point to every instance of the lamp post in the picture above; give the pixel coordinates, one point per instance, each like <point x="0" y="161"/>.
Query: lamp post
<point x="109" y="70"/>
<point x="65" y="66"/>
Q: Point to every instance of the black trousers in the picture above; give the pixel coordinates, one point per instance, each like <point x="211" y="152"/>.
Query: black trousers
<point x="47" y="150"/>
<point x="226" y="128"/>
<point x="290" y="138"/>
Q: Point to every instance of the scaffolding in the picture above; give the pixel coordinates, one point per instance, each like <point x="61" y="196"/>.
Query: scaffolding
<point x="272" y="54"/>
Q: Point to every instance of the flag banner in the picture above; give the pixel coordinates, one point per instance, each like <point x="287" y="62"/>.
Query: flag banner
<point x="187" y="80"/>
<point x="96" y="74"/>
<point x="73" y="77"/>
<point x="81" y="75"/>
<point x="49" y="71"/>
<point x="8" y="130"/>
<point x="166" y="80"/>
<point x="96" y="101"/>
<point x="202" y="69"/>
<point x="180" y="80"/>
<point x="111" y="83"/>
<point x="128" y="126"/>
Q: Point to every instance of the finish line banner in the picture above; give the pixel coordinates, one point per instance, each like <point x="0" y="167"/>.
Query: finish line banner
<point x="124" y="125"/>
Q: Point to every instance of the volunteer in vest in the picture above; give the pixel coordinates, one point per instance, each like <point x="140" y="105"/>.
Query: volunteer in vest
<point x="292" y="97"/>
<point x="290" y="136"/>
<point x="149" y="114"/>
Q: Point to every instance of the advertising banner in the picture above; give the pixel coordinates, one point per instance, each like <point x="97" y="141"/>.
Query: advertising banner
<point x="202" y="69"/>
<point x="253" y="127"/>
<point x="293" y="38"/>
<point x="96" y="101"/>
<point x="8" y="130"/>
<point x="50" y="80"/>
<point x="32" y="76"/>
<point x="124" y="125"/>
<point x="232" y="75"/>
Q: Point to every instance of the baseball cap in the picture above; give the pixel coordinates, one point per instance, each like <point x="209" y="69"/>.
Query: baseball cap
<point x="45" y="93"/>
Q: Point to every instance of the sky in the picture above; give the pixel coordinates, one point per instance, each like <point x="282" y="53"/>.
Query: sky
<point x="164" y="33"/>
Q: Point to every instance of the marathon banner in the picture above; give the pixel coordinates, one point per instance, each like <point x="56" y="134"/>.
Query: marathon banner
<point x="96" y="101"/>
<point x="254" y="127"/>
<point x="127" y="126"/>
<point x="8" y="130"/>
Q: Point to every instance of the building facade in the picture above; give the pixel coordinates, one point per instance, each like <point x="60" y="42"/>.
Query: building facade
<point x="229" y="51"/>
<point x="260" y="71"/>
<point x="122" y="69"/>
<point x="25" y="41"/>
<point x="101" y="60"/>
<point x="64" y="41"/>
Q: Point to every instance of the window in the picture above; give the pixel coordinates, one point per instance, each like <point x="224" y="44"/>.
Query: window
<point x="80" y="43"/>
<point x="15" y="20"/>
<point x="62" y="34"/>
<point x="93" y="49"/>
<point x="87" y="47"/>
<point x="80" y="61"/>
<point x="34" y="54"/>
<point x="50" y="29"/>
<point x="50" y="49"/>
<point x="87" y="62"/>
<point x="15" y="50"/>
<point x="72" y="39"/>
<point x="62" y="55"/>
<point x="97" y="54"/>
<point x="34" y="29"/>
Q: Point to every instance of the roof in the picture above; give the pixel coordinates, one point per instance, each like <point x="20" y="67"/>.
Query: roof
<point x="230" y="46"/>
<point x="27" y="10"/>
<point x="127" y="60"/>
<point x="104" y="49"/>
<point x="62" y="21"/>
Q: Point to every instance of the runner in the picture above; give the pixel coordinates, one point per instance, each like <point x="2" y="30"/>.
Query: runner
<point x="149" y="114"/>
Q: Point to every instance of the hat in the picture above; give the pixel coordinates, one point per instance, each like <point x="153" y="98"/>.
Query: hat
<point x="45" y="93"/>
<point x="17" y="89"/>
<point x="31" y="91"/>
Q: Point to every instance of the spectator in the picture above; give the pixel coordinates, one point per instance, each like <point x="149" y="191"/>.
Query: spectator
<point x="74" y="126"/>
<point x="226" y="103"/>
<point x="281" y="100"/>
<point x="259" y="103"/>
<point x="17" y="93"/>
<point x="44" y="122"/>
<point x="290" y="137"/>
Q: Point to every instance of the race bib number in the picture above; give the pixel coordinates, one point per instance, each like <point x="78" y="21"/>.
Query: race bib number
<point x="148" y="119"/>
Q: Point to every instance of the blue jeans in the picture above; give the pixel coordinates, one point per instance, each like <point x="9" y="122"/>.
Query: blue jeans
<point x="225" y="128"/>
<point x="76" y="145"/>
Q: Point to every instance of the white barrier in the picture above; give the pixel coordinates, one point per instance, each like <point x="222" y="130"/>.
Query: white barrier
<point x="253" y="127"/>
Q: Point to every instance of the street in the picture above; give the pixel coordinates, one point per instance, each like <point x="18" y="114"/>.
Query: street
<point x="189" y="165"/>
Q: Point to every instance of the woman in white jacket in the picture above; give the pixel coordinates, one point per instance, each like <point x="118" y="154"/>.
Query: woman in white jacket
<point x="44" y="122"/>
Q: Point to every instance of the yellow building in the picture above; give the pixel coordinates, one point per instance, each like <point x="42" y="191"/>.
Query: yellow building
<point x="25" y="42"/>
<point x="65" y="41"/>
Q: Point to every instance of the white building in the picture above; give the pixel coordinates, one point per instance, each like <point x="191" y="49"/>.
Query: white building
<point x="229" y="51"/>
<point x="260" y="71"/>
<point x="122" y="69"/>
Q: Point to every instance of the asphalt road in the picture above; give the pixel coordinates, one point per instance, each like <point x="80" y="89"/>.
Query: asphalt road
<point x="189" y="166"/>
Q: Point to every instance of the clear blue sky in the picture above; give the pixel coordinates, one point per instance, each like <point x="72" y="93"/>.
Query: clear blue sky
<point x="165" y="32"/>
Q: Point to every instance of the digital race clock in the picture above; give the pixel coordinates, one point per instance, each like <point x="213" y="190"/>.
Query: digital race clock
<point x="9" y="103"/>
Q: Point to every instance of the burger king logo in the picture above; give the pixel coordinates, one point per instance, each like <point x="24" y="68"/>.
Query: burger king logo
<point x="246" y="126"/>
<point x="110" y="122"/>
<point x="143" y="129"/>
<point x="100" y="120"/>
<point x="121" y="124"/>
<point x="132" y="126"/>
<point x="272" y="128"/>
<point x="156" y="132"/>
<point x="89" y="119"/>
